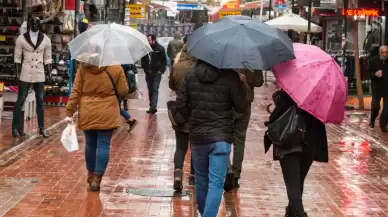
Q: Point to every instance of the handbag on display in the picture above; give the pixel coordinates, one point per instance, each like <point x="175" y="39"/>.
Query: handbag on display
<point x="68" y="25"/>
<point x="289" y="129"/>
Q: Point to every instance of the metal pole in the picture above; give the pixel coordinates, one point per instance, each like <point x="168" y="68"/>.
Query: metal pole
<point x="106" y="11"/>
<point x="292" y="6"/>
<point x="309" y="21"/>
<point x="345" y="31"/>
<point x="261" y="10"/>
<point x="269" y="9"/>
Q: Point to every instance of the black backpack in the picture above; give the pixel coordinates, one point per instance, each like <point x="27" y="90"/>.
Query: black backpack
<point x="289" y="129"/>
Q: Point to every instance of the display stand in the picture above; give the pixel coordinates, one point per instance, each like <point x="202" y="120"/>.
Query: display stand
<point x="29" y="107"/>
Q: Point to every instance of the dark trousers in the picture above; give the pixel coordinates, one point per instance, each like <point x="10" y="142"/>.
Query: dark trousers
<point x="22" y="95"/>
<point x="182" y="144"/>
<point x="376" y="99"/>
<point x="153" y="82"/>
<point x="295" y="167"/>
<point x="241" y="122"/>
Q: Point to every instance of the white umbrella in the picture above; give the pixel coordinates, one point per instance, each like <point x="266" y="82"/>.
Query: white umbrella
<point x="109" y="44"/>
<point x="292" y="22"/>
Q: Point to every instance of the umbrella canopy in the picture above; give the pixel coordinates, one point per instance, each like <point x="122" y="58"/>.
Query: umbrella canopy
<point x="293" y="22"/>
<point x="238" y="42"/>
<point x="315" y="82"/>
<point x="109" y="44"/>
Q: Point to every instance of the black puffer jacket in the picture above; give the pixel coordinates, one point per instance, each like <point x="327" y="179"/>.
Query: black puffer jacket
<point x="206" y="98"/>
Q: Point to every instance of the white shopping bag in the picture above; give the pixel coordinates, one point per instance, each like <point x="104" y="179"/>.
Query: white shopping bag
<point x="69" y="138"/>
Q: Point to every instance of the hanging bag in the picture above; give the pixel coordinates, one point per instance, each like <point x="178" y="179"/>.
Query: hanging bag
<point x="289" y="129"/>
<point x="69" y="138"/>
<point x="68" y="25"/>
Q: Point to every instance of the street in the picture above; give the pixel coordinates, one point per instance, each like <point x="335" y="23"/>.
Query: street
<point x="40" y="178"/>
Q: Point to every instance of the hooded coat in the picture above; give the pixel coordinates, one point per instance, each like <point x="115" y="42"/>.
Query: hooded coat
<point x="174" y="46"/>
<point x="94" y="96"/>
<point x="177" y="75"/>
<point x="207" y="98"/>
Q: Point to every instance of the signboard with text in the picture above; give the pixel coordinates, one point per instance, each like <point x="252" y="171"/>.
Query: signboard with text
<point x="361" y="12"/>
<point x="136" y="10"/>
<point x="222" y="14"/>
<point x="230" y="3"/>
<point x="279" y="5"/>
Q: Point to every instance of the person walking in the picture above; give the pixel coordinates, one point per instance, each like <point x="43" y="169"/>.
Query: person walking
<point x="95" y="94"/>
<point x="296" y="159"/>
<point x="251" y="80"/>
<point x="181" y="132"/>
<point x="207" y="98"/>
<point x="154" y="65"/>
<point x="124" y="111"/>
<point x="378" y="71"/>
<point x="174" y="47"/>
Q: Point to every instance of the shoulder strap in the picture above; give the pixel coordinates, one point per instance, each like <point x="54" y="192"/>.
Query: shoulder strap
<point x="113" y="83"/>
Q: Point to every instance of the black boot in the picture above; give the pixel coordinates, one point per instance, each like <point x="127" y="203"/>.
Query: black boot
<point x="302" y="215"/>
<point x="236" y="184"/>
<point x="125" y="105"/>
<point x="178" y="176"/>
<point x="43" y="133"/>
<point x="15" y="133"/>
<point x="288" y="212"/>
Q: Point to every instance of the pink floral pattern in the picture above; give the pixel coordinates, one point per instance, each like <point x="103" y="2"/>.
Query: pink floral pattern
<point x="315" y="82"/>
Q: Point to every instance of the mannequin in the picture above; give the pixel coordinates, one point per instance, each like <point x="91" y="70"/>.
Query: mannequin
<point x="32" y="58"/>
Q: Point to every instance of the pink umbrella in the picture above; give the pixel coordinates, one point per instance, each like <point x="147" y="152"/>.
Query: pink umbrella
<point x="315" y="82"/>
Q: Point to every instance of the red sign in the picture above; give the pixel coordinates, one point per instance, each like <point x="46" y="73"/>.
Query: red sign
<point x="361" y="12"/>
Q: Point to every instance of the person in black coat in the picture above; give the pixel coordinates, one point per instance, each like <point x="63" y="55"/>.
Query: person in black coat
<point x="154" y="65"/>
<point x="296" y="160"/>
<point x="207" y="98"/>
<point x="378" y="72"/>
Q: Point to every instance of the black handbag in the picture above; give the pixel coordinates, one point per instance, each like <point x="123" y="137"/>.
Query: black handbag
<point x="289" y="129"/>
<point x="131" y="79"/>
<point x="175" y="117"/>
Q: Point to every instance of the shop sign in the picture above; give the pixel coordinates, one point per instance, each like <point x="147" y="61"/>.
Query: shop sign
<point x="279" y="5"/>
<point x="136" y="10"/>
<point x="361" y="12"/>
<point x="187" y="6"/>
<point x="222" y="14"/>
<point x="230" y="3"/>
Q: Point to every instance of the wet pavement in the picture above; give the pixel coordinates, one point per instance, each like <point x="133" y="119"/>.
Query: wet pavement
<point x="45" y="180"/>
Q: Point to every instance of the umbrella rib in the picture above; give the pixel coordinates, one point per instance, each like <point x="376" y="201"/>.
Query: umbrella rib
<point x="207" y="35"/>
<point x="129" y="54"/>
<point x="222" y="61"/>
<point x="87" y="41"/>
<point x="102" y="50"/>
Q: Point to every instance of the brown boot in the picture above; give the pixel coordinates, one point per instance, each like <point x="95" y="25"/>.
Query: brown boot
<point x="90" y="175"/>
<point x="95" y="183"/>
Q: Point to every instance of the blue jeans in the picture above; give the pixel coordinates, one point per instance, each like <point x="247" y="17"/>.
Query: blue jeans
<point x="153" y="82"/>
<point x="97" y="150"/>
<point x="210" y="162"/>
<point x="124" y="113"/>
<point x="22" y="95"/>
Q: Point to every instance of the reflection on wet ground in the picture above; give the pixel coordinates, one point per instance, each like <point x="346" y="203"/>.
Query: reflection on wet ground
<point x="354" y="183"/>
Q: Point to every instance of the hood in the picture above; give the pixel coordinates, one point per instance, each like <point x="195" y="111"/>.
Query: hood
<point x="185" y="56"/>
<point x="205" y="72"/>
<point x="177" y="35"/>
<point x="93" y="69"/>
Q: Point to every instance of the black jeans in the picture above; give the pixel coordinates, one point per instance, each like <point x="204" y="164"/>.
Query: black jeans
<point x="22" y="96"/>
<point x="182" y="144"/>
<point x="153" y="82"/>
<point x="376" y="99"/>
<point x="295" y="167"/>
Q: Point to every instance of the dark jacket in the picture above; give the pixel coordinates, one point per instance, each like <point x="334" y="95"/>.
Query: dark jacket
<point x="158" y="60"/>
<point x="253" y="79"/>
<point x="315" y="145"/>
<point x="174" y="46"/>
<point x="206" y="98"/>
<point x="379" y="85"/>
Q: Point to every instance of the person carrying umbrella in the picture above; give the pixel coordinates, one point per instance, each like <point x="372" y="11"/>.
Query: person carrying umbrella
<point x="213" y="90"/>
<point x="314" y="92"/>
<point x="99" y="84"/>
